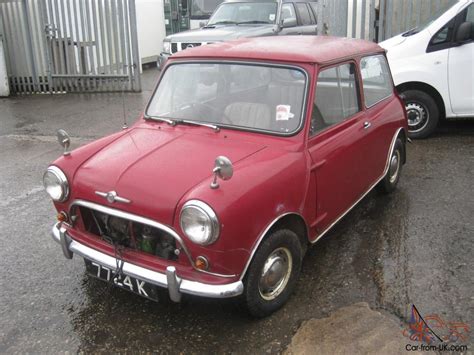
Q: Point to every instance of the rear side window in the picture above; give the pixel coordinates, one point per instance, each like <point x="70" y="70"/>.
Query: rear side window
<point x="376" y="79"/>
<point x="304" y="13"/>
<point x="336" y="97"/>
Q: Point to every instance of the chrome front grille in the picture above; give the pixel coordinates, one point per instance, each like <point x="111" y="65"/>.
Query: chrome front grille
<point x="127" y="233"/>
<point x="181" y="46"/>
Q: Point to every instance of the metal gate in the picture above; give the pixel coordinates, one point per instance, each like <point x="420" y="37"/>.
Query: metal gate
<point x="57" y="46"/>
<point x="375" y="20"/>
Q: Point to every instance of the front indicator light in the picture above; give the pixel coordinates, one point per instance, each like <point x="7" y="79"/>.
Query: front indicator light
<point x="201" y="263"/>
<point x="62" y="216"/>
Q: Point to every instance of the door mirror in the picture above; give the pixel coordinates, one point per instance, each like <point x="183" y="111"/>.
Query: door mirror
<point x="464" y="32"/>
<point x="202" y="23"/>
<point x="64" y="141"/>
<point x="289" y="22"/>
<point x="223" y="169"/>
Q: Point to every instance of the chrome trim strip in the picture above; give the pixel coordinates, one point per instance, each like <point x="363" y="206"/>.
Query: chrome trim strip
<point x="170" y="280"/>
<point x="392" y="146"/>
<point x="394" y="139"/>
<point x="262" y="235"/>
<point x="143" y="220"/>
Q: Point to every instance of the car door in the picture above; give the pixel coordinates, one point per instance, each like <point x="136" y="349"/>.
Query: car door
<point x="380" y="109"/>
<point x="461" y="69"/>
<point x="334" y="144"/>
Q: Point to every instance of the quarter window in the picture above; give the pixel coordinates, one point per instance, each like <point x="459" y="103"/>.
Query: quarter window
<point x="336" y="97"/>
<point x="376" y="79"/>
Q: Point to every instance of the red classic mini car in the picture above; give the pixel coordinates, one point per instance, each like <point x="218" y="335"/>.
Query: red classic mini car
<point x="248" y="152"/>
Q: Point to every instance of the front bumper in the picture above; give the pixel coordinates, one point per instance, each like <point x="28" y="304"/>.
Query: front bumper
<point x="175" y="285"/>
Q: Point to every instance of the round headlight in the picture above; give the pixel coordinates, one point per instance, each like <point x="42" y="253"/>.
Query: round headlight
<point x="199" y="222"/>
<point x="166" y="47"/>
<point x="55" y="183"/>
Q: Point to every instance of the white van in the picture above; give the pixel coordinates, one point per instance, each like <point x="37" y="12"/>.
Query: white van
<point x="433" y="68"/>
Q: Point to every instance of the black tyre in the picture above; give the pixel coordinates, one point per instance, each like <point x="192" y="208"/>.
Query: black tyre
<point x="390" y="181"/>
<point x="423" y="113"/>
<point x="272" y="275"/>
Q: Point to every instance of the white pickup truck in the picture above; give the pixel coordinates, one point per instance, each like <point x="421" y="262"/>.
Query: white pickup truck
<point x="433" y="68"/>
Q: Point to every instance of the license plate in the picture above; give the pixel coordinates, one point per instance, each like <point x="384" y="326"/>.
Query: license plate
<point x="125" y="282"/>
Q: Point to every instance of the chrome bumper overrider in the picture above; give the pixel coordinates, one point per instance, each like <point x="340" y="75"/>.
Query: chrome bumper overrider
<point x="175" y="285"/>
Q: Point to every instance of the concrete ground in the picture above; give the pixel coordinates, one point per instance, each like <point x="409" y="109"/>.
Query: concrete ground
<point x="413" y="246"/>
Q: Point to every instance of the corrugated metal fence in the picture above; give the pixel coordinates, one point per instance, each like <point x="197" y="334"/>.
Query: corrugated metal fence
<point x="70" y="45"/>
<point x="375" y="20"/>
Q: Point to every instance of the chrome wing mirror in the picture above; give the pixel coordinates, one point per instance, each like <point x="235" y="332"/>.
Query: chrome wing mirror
<point x="64" y="141"/>
<point x="223" y="169"/>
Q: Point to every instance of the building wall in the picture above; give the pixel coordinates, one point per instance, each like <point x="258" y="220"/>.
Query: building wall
<point x="395" y="16"/>
<point x="150" y="28"/>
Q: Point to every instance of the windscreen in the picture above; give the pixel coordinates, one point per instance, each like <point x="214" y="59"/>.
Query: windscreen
<point x="202" y="9"/>
<point x="244" y="12"/>
<point x="245" y="96"/>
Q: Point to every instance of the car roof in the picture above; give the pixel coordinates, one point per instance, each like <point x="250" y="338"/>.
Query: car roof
<point x="309" y="49"/>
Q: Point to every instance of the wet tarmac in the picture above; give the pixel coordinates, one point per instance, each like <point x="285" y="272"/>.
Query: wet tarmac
<point x="414" y="246"/>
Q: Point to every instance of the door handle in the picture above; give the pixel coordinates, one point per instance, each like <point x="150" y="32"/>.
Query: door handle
<point x="367" y="125"/>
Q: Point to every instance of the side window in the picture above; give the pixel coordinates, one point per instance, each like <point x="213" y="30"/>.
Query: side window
<point x="288" y="11"/>
<point x="336" y="97"/>
<point x="470" y="13"/>
<point x="314" y="7"/>
<point x="444" y="35"/>
<point x="376" y="79"/>
<point x="443" y="39"/>
<point x="304" y="13"/>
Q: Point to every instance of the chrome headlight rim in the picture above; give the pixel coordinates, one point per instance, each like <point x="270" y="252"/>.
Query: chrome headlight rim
<point x="62" y="180"/>
<point x="167" y="47"/>
<point x="204" y="208"/>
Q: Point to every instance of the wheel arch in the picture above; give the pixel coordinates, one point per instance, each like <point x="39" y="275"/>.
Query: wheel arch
<point x="290" y="220"/>
<point x="430" y="90"/>
<point x="403" y="136"/>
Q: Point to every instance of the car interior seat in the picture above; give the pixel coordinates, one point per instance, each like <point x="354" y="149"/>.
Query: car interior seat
<point x="249" y="114"/>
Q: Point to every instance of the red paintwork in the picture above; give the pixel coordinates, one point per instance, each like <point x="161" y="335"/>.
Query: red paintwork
<point x="160" y="167"/>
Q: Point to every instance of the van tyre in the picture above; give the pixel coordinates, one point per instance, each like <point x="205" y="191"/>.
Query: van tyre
<point x="423" y="113"/>
<point x="273" y="273"/>
<point x="395" y="163"/>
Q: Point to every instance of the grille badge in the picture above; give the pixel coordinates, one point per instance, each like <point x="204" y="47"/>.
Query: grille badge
<point x="112" y="197"/>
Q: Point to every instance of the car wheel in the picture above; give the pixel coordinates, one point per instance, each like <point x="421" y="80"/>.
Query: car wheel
<point x="422" y="112"/>
<point x="390" y="181"/>
<point x="272" y="275"/>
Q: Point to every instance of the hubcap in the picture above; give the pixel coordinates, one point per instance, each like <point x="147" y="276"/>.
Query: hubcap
<point x="418" y="116"/>
<point x="275" y="274"/>
<point x="394" y="166"/>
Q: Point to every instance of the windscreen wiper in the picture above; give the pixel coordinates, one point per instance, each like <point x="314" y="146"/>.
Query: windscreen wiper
<point x="410" y="32"/>
<point x="222" y="23"/>
<point x="161" y="119"/>
<point x="251" y="22"/>
<point x="214" y="127"/>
